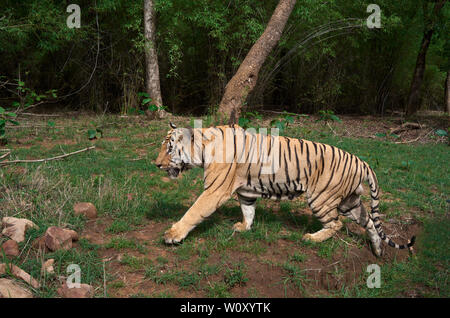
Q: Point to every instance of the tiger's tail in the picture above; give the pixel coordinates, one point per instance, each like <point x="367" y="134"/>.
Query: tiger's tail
<point x="375" y="212"/>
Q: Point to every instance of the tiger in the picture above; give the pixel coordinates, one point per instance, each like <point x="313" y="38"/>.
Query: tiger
<point x="255" y="165"/>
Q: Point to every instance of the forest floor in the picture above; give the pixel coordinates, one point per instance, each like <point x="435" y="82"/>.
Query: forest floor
<point x="122" y="254"/>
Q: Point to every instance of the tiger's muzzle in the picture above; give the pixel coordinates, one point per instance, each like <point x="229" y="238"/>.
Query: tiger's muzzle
<point x="174" y="172"/>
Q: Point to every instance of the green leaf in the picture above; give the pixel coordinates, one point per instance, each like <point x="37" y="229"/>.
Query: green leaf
<point x="152" y="107"/>
<point x="14" y="115"/>
<point x="335" y="118"/>
<point x="51" y="124"/>
<point x="143" y="94"/>
<point x="280" y="126"/>
<point x="92" y="134"/>
<point x="243" y="122"/>
<point x="441" y="132"/>
<point x="2" y="110"/>
<point x="380" y="134"/>
<point x="289" y="119"/>
<point x="13" y="122"/>
<point x="146" y="101"/>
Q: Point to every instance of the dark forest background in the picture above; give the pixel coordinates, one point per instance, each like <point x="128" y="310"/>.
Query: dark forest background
<point x="327" y="59"/>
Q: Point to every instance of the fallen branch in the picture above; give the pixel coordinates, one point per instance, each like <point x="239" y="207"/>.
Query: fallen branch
<point x="331" y="129"/>
<point x="46" y="159"/>
<point x="11" y="126"/>
<point x="416" y="139"/>
<point x="404" y="127"/>
<point x="5" y="155"/>
<point x="284" y="113"/>
<point x="40" y="115"/>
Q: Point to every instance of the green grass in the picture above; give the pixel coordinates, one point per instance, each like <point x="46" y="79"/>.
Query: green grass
<point x="327" y="249"/>
<point x="217" y="290"/>
<point x="119" y="226"/>
<point x="121" y="243"/>
<point x="298" y="257"/>
<point x="183" y="279"/>
<point x="414" y="180"/>
<point x="135" y="263"/>
<point x="294" y="276"/>
<point x="235" y="276"/>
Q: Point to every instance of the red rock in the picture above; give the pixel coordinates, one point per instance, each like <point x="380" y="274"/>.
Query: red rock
<point x="11" y="248"/>
<point x="85" y="208"/>
<point x="57" y="238"/>
<point x="84" y="291"/>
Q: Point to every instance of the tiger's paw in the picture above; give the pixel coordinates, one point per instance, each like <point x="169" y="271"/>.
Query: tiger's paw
<point x="173" y="235"/>
<point x="311" y="237"/>
<point x="240" y="227"/>
<point x="377" y="250"/>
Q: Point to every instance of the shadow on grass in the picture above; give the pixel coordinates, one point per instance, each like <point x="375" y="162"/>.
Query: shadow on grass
<point x="165" y="207"/>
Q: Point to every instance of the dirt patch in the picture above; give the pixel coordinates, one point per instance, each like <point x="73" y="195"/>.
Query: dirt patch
<point x="376" y="127"/>
<point x="271" y="273"/>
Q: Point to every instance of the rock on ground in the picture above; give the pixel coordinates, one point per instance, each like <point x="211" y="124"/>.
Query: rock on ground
<point x="11" y="289"/>
<point x="15" y="228"/>
<point x="84" y="291"/>
<point x="10" y="248"/>
<point x="18" y="273"/>
<point x="57" y="238"/>
<point x="47" y="266"/>
<point x="85" y="208"/>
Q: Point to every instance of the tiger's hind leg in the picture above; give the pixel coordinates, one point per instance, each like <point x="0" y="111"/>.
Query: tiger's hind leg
<point x="353" y="208"/>
<point x="329" y="218"/>
<point x="248" y="210"/>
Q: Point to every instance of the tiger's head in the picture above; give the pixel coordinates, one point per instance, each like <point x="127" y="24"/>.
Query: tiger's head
<point x="174" y="156"/>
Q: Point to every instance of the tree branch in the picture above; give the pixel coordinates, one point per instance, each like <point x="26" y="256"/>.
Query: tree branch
<point x="4" y="163"/>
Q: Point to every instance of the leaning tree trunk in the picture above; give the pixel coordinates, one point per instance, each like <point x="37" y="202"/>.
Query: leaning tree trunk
<point x="413" y="104"/>
<point x="243" y="82"/>
<point x="151" y="58"/>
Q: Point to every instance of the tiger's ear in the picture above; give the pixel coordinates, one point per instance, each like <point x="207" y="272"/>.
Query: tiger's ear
<point x="172" y="125"/>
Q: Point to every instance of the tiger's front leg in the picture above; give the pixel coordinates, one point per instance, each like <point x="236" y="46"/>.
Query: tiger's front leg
<point x="206" y="204"/>
<point x="248" y="210"/>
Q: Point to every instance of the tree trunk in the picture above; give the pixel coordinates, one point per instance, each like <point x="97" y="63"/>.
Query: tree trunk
<point x="414" y="93"/>
<point x="447" y="92"/>
<point x="243" y="82"/>
<point x="151" y="58"/>
<point x="413" y="104"/>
